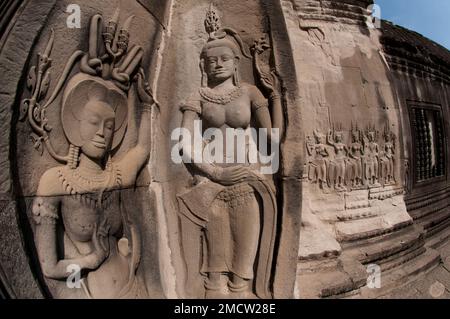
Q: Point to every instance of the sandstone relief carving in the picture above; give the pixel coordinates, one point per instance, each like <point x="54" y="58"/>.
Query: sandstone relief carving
<point x="361" y="164"/>
<point x="371" y="158"/>
<point x="228" y="218"/>
<point x="387" y="158"/>
<point x="319" y="159"/>
<point x="104" y="200"/>
<point x="81" y="219"/>
<point x="356" y="154"/>
<point x="338" y="165"/>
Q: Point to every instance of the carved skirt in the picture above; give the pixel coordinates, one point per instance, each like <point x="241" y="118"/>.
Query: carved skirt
<point x="232" y="232"/>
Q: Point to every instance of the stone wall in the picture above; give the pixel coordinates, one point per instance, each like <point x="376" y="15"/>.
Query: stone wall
<point x="419" y="70"/>
<point x="353" y="77"/>
<point x="15" y="53"/>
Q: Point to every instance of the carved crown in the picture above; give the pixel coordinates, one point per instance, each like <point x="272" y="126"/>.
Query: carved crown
<point x="109" y="55"/>
<point x="106" y="72"/>
<point x="222" y="36"/>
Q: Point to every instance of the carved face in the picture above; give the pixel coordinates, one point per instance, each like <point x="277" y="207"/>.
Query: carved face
<point x="220" y="63"/>
<point x="355" y="137"/>
<point x="339" y="138"/>
<point x="97" y="129"/>
<point x="371" y="136"/>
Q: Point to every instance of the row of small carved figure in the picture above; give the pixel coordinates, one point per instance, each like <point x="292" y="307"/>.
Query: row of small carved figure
<point x="334" y="164"/>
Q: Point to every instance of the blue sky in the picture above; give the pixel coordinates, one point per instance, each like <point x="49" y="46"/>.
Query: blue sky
<point x="428" y="17"/>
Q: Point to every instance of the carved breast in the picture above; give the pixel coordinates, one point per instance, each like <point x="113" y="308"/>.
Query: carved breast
<point x="80" y="214"/>
<point x="84" y="206"/>
<point x="356" y="148"/>
<point x="320" y="151"/>
<point x="235" y="114"/>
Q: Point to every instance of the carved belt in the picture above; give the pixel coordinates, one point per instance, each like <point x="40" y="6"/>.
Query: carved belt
<point x="236" y="194"/>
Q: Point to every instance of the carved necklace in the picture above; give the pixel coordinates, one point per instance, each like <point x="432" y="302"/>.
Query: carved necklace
<point x="211" y="95"/>
<point x="88" y="178"/>
<point x="75" y="183"/>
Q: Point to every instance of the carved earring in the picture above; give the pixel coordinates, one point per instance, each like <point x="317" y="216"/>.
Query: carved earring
<point x="109" y="162"/>
<point x="236" y="79"/>
<point x="74" y="153"/>
<point x="204" y="75"/>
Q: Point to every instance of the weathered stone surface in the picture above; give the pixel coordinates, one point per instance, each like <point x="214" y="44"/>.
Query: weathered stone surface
<point x="348" y="80"/>
<point x="316" y="241"/>
<point x="15" y="255"/>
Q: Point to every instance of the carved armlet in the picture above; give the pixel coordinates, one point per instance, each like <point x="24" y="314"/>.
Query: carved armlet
<point x="190" y="107"/>
<point x="258" y="105"/>
<point x="44" y="212"/>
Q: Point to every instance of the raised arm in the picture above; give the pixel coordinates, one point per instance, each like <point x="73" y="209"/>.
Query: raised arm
<point x="272" y="117"/>
<point x="138" y="155"/>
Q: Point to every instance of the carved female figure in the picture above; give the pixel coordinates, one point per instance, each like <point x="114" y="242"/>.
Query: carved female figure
<point x="371" y="159"/>
<point x="387" y="160"/>
<point x="232" y="203"/>
<point x="80" y="218"/>
<point x="318" y="165"/>
<point x="356" y="154"/>
<point x="338" y="164"/>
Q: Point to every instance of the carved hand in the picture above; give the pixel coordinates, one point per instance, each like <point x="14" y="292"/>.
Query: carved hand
<point x="100" y="240"/>
<point x="232" y="175"/>
<point x="330" y="137"/>
<point x="270" y="82"/>
<point x="143" y="89"/>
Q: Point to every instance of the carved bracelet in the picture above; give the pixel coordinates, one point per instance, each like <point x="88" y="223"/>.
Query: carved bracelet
<point x="274" y="96"/>
<point x="147" y="106"/>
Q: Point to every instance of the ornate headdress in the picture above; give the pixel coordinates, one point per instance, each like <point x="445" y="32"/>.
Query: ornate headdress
<point x="105" y="75"/>
<point x="318" y="134"/>
<point x="388" y="134"/>
<point x="337" y="131"/>
<point x="370" y="129"/>
<point x="355" y="131"/>
<point x="219" y="36"/>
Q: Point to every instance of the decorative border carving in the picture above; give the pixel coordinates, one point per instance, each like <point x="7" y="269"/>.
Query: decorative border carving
<point x="363" y="163"/>
<point x="352" y="12"/>
<point x="13" y="61"/>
